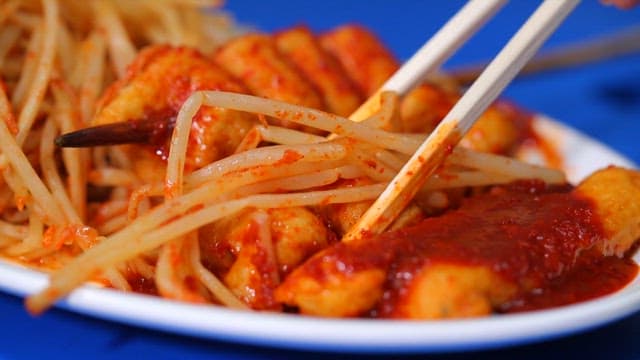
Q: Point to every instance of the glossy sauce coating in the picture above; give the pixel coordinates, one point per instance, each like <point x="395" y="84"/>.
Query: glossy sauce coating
<point x="524" y="234"/>
<point x="593" y="276"/>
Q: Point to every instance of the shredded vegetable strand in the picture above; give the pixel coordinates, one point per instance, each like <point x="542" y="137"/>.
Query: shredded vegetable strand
<point x="75" y="160"/>
<point x="42" y="73"/>
<point x="25" y="171"/>
<point x="121" y="50"/>
<point x="118" y="249"/>
<point x="51" y="175"/>
<point x="211" y="282"/>
<point x="171" y="268"/>
<point x="12" y="230"/>
<point x="497" y="164"/>
<point x="28" y="73"/>
<point x="33" y="240"/>
<point x="178" y="150"/>
<point x="310" y="117"/>
<point x="267" y="157"/>
<point x="90" y="71"/>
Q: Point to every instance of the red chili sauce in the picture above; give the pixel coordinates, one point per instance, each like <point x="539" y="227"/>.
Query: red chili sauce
<point x="539" y="239"/>
<point x="142" y="285"/>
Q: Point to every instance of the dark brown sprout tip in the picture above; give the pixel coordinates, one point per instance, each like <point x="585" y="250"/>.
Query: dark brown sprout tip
<point x="147" y="132"/>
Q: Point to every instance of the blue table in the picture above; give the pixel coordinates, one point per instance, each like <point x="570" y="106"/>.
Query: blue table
<point x="602" y="100"/>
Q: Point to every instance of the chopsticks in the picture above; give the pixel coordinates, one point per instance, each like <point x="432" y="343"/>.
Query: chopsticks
<point x="434" y="52"/>
<point x="462" y="116"/>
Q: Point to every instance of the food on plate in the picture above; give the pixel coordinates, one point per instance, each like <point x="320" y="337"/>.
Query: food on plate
<point x="475" y="260"/>
<point x="302" y="48"/>
<point x="363" y="56"/>
<point x="206" y="165"/>
<point x="254" y="59"/>
<point x="156" y="84"/>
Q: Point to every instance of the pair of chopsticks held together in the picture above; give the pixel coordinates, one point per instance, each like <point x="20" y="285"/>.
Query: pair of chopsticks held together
<point x="486" y="88"/>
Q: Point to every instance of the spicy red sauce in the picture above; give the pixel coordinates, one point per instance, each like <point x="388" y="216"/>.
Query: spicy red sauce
<point x="532" y="238"/>
<point x="142" y="285"/>
<point x="591" y="277"/>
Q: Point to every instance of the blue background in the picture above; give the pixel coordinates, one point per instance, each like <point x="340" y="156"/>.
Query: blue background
<point x="602" y="100"/>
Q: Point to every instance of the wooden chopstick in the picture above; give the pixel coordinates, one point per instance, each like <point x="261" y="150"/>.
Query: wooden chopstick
<point x="434" y="52"/>
<point x="462" y="116"/>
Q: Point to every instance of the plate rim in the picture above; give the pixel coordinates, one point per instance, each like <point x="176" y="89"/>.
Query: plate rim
<point x="367" y="335"/>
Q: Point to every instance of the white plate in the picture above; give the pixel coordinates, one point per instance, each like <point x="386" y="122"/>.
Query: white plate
<point x="582" y="155"/>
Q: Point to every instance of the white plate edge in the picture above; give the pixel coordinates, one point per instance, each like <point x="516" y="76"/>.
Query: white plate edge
<point x="357" y="335"/>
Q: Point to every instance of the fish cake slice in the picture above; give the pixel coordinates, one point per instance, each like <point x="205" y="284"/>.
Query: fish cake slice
<point x="367" y="61"/>
<point x="302" y="49"/>
<point x="470" y="261"/>
<point x="255" y="60"/>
